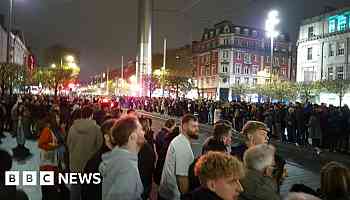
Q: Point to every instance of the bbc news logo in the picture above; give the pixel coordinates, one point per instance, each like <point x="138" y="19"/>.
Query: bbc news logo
<point x="48" y="178"/>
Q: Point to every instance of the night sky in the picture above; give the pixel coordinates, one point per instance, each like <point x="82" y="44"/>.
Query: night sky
<point x="104" y="30"/>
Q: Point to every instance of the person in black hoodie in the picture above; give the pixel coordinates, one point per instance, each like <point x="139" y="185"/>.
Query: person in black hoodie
<point x="221" y="136"/>
<point x="8" y="192"/>
<point x="219" y="174"/>
<point x="91" y="191"/>
<point x="147" y="158"/>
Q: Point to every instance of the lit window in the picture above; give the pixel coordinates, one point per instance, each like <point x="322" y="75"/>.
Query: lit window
<point x="331" y="25"/>
<point x="246" y="32"/>
<point x="341" y="49"/>
<point x="255" y="33"/>
<point x="247" y="58"/>
<point x="237" y="30"/>
<point x="340" y="72"/>
<point x="330" y="73"/>
<point x="341" y="23"/>
<point x="254" y="70"/>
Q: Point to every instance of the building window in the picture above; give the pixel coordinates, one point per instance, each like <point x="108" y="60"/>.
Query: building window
<point x="246" y="80"/>
<point x="254" y="70"/>
<point x="239" y="56"/>
<point x="256" y="58"/>
<point x="227" y="29"/>
<point x="208" y="71"/>
<point x="330" y="73"/>
<point x="238" y="68"/>
<point x="247" y="58"/>
<point x="268" y="59"/>
<point x="246" y="32"/>
<point x="225" y="42"/>
<point x="255" y="33"/>
<point x="224" y="68"/>
<point x="246" y="70"/>
<point x="331" y="27"/>
<point x="341" y="23"/>
<point x="309" y="53"/>
<point x="341" y="49"/>
<point x="238" y="80"/>
<point x="225" y="54"/>
<point x="214" y="69"/>
<point x="255" y="81"/>
<point x="311" y="32"/>
<point x="331" y="50"/>
<point x="340" y="72"/>
<point x="283" y="60"/>
<point x="237" y="30"/>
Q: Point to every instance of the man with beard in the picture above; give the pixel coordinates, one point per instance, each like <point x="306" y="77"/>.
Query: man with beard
<point x="174" y="181"/>
<point x="119" y="167"/>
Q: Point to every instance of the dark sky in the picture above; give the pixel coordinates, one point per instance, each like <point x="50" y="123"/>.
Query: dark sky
<point x="104" y="30"/>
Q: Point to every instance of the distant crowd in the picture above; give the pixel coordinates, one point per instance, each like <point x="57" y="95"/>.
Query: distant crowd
<point x="137" y="162"/>
<point x="304" y="124"/>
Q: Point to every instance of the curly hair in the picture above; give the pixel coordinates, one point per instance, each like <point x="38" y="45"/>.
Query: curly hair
<point x="214" y="165"/>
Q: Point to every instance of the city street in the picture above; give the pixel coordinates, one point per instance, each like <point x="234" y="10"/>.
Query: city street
<point x="303" y="167"/>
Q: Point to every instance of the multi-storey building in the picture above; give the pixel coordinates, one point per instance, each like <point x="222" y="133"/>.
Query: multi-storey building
<point x="178" y="61"/>
<point x="229" y="54"/>
<point x="19" y="53"/>
<point x="323" y="47"/>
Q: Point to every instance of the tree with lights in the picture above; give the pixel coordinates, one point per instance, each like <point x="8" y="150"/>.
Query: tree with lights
<point x="339" y="87"/>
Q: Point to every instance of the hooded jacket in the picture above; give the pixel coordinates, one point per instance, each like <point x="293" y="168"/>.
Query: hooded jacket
<point x="121" y="177"/>
<point x="84" y="140"/>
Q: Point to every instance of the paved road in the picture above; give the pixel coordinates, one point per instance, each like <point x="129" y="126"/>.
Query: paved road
<point x="300" y="168"/>
<point x="308" y="175"/>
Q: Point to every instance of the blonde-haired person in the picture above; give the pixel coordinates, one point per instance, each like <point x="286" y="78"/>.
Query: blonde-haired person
<point x="335" y="182"/>
<point x="258" y="184"/>
<point x="219" y="174"/>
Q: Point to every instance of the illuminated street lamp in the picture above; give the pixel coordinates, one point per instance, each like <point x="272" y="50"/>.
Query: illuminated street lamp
<point x="70" y="58"/>
<point x="270" y="25"/>
<point x="53" y="65"/>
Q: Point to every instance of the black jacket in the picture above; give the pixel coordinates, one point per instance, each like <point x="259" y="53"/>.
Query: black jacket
<point x="91" y="191"/>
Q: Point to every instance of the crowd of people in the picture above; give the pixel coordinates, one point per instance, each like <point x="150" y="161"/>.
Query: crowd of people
<point x="303" y="124"/>
<point x="136" y="162"/>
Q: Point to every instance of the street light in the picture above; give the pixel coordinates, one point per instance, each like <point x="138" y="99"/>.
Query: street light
<point x="270" y="25"/>
<point x="53" y="65"/>
<point x="70" y="58"/>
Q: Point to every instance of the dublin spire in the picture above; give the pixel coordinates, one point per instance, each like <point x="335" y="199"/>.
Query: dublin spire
<point x="144" y="43"/>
